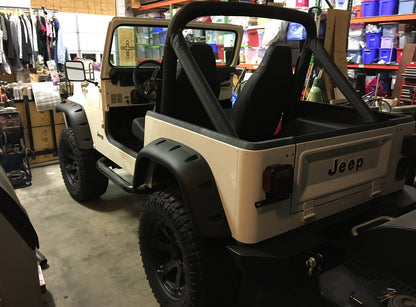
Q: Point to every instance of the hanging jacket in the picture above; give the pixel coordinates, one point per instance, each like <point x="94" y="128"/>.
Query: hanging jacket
<point x="16" y="37"/>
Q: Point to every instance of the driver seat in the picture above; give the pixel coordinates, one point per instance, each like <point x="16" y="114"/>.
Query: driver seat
<point x="187" y="104"/>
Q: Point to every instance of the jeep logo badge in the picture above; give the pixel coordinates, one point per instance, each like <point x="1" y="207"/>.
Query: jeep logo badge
<point x="342" y="166"/>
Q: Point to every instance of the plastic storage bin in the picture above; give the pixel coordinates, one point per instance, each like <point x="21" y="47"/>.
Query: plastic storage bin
<point x="354" y="56"/>
<point x="406" y="38"/>
<point x="390" y="29"/>
<point x="399" y="53"/>
<point x="370" y="8"/>
<point x="162" y="37"/>
<point x="406" y="7"/>
<point x="356" y="11"/>
<point x="253" y="38"/>
<point x="373" y="40"/>
<point x="356" y="42"/>
<point x="302" y="3"/>
<point x="387" y="7"/>
<point x="387" y="54"/>
<point x="369" y="55"/>
<point x="387" y="42"/>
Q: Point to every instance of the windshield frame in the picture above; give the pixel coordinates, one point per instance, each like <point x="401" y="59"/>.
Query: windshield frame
<point x="117" y="22"/>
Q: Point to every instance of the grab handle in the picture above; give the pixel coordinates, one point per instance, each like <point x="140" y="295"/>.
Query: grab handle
<point x="374" y="222"/>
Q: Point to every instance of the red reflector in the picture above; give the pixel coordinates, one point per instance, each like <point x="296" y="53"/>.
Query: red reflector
<point x="278" y="181"/>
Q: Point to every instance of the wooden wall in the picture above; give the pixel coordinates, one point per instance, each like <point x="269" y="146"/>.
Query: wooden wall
<point x="101" y="7"/>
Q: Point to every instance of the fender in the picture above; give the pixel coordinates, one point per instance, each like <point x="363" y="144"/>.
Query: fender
<point x="77" y="119"/>
<point x="195" y="180"/>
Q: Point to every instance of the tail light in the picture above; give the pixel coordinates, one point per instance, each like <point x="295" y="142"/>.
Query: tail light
<point x="277" y="182"/>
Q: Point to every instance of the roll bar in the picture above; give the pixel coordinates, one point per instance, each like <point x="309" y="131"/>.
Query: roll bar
<point x="176" y="48"/>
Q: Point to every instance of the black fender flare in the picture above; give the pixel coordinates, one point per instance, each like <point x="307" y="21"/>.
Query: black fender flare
<point x="195" y="180"/>
<point x="77" y="119"/>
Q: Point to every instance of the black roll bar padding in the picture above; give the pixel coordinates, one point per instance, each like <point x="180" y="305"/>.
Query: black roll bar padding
<point x="362" y="109"/>
<point x="302" y="67"/>
<point x="208" y="99"/>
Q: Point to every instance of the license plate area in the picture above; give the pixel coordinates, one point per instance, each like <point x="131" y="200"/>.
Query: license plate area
<point x="327" y="171"/>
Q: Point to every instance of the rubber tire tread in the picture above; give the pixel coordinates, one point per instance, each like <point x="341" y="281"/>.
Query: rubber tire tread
<point x="91" y="183"/>
<point x="203" y="284"/>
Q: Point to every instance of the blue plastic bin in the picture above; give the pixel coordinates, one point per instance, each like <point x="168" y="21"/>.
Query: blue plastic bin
<point x="369" y="55"/>
<point x="369" y="8"/>
<point x="162" y="37"/>
<point x="387" y="7"/>
<point x="387" y="54"/>
<point x="373" y="40"/>
<point x="406" y="7"/>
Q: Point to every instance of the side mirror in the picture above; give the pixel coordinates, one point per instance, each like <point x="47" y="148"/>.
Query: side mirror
<point x="74" y="71"/>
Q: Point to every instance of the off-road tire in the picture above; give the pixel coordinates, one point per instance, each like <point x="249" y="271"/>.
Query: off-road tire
<point x="182" y="269"/>
<point x="78" y="167"/>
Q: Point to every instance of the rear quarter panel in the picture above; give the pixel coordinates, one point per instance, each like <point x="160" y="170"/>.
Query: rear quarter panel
<point x="238" y="175"/>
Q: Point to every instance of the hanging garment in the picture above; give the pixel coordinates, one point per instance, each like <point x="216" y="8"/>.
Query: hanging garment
<point x="6" y="33"/>
<point x="14" y="49"/>
<point x="26" y="46"/>
<point x="35" y="38"/>
<point x="3" y="26"/>
<point x="42" y="39"/>
<point x="60" y="54"/>
<point x="4" y="66"/>
<point x="28" y="28"/>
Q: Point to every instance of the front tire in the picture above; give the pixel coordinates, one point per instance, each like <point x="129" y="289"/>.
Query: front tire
<point x="182" y="269"/>
<point x="78" y="167"/>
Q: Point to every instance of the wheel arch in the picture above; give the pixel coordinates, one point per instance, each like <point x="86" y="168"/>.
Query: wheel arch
<point x="194" y="177"/>
<point x="76" y="119"/>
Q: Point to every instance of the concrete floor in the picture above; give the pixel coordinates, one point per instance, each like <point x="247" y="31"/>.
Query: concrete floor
<point x="92" y="248"/>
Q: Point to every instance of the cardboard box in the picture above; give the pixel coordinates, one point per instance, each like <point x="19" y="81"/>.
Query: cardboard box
<point x="148" y="1"/>
<point x="42" y="137"/>
<point x="44" y="140"/>
<point x="37" y="118"/>
<point x="133" y="4"/>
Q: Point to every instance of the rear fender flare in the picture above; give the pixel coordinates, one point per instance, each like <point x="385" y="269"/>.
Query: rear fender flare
<point x="195" y="180"/>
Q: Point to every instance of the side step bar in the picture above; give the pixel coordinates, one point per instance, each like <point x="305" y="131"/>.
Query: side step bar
<point x="118" y="180"/>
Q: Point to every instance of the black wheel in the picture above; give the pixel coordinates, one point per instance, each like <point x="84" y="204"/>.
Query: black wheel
<point x="82" y="179"/>
<point x="182" y="269"/>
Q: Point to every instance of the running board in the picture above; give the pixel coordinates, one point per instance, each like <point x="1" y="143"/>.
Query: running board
<point x="118" y="180"/>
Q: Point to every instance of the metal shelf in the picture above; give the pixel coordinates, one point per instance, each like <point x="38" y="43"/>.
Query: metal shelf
<point x="374" y="66"/>
<point x="380" y="19"/>
<point x="248" y="66"/>
<point x="162" y="4"/>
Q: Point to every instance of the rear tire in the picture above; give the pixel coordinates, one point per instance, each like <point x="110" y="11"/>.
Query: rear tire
<point x="182" y="269"/>
<point x="78" y="167"/>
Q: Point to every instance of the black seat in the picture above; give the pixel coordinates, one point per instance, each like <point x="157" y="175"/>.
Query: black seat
<point x="187" y="104"/>
<point x="260" y="104"/>
<point x="137" y="128"/>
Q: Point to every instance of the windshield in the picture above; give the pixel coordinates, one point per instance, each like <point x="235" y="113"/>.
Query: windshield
<point x="132" y="44"/>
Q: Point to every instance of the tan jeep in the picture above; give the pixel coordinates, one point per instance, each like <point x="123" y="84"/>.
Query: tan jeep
<point x="273" y="181"/>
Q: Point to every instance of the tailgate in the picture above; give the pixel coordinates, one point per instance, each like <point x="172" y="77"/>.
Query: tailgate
<point x="326" y="170"/>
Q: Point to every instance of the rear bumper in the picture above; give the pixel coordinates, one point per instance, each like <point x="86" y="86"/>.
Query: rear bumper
<point x="286" y="255"/>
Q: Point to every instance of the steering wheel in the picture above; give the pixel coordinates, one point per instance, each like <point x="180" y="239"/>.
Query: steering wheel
<point x="147" y="90"/>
